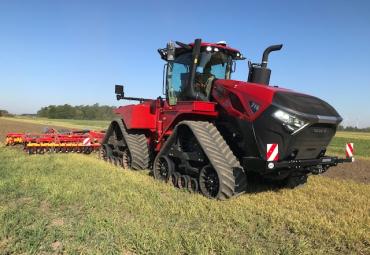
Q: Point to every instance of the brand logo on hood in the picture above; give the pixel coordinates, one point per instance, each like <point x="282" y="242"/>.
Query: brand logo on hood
<point x="319" y="130"/>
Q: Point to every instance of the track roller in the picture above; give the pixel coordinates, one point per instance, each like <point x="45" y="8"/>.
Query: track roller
<point x="174" y="178"/>
<point x="193" y="185"/>
<point x="126" y="159"/>
<point x="182" y="181"/>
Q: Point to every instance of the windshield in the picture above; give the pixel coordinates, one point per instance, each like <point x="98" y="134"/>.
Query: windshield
<point x="211" y="66"/>
<point x="217" y="64"/>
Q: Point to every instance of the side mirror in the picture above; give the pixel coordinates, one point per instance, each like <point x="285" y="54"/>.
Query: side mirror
<point x="119" y="91"/>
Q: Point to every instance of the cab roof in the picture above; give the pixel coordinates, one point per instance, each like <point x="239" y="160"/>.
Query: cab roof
<point x="205" y="46"/>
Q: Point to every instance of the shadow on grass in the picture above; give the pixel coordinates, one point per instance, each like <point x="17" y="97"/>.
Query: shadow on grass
<point x="257" y="184"/>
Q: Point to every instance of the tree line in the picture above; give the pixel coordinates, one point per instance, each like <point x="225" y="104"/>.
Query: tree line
<point x="353" y="129"/>
<point x="82" y="112"/>
<point x="5" y="113"/>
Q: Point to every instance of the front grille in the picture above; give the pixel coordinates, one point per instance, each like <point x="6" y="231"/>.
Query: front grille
<point x="311" y="141"/>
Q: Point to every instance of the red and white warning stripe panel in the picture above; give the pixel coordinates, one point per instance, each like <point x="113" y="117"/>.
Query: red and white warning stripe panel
<point x="86" y="141"/>
<point x="349" y="150"/>
<point x="272" y="153"/>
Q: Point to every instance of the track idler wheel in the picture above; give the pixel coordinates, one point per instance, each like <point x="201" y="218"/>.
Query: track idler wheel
<point x="164" y="168"/>
<point x="209" y="182"/>
<point x="105" y="152"/>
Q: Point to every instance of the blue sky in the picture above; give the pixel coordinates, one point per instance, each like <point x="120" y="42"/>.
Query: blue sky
<point x="56" y="52"/>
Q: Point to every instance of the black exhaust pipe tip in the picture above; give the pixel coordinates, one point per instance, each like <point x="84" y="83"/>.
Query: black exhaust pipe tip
<point x="268" y="51"/>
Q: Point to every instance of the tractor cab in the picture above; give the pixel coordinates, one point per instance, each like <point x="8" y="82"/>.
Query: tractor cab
<point x="191" y="69"/>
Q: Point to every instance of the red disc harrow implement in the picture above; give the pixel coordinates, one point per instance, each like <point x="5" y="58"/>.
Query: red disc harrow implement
<point x="81" y="141"/>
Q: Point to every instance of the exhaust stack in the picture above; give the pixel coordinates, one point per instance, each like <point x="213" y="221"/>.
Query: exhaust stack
<point x="259" y="73"/>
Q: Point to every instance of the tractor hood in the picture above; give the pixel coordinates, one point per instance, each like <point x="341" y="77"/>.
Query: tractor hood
<point x="251" y="100"/>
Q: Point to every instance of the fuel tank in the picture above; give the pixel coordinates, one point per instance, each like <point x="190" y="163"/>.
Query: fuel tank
<point x="254" y="115"/>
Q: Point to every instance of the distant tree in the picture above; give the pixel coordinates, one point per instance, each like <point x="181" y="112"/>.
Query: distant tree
<point x="353" y="129"/>
<point x="88" y="112"/>
<point x="5" y="113"/>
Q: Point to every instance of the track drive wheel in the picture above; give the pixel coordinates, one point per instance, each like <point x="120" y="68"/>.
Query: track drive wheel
<point x="209" y="182"/>
<point x="163" y="168"/>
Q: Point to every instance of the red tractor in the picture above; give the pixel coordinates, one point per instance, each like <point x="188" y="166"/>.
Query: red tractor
<point x="210" y="131"/>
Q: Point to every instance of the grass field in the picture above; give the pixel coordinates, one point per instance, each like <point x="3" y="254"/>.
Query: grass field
<point x="68" y="123"/>
<point x="361" y="145"/>
<point x="76" y="204"/>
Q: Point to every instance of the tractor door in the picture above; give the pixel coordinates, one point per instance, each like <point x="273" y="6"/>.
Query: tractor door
<point x="177" y="79"/>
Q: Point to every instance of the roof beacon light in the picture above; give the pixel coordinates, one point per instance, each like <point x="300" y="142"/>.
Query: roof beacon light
<point x="223" y="43"/>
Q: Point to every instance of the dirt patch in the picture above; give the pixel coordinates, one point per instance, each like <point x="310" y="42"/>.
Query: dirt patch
<point x="14" y="126"/>
<point x="24" y="200"/>
<point x="57" y="246"/>
<point x="358" y="171"/>
<point x="45" y="207"/>
<point x="57" y="222"/>
<point x="4" y="244"/>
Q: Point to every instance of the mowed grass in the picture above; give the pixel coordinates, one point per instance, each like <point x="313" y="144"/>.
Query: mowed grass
<point x="73" y="204"/>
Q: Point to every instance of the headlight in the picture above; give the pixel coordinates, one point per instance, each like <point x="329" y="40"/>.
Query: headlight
<point x="290" y="122"/>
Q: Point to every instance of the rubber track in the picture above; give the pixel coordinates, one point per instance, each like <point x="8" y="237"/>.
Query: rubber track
<point x="231" y="175"/>
<point x="136" y="143"/>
